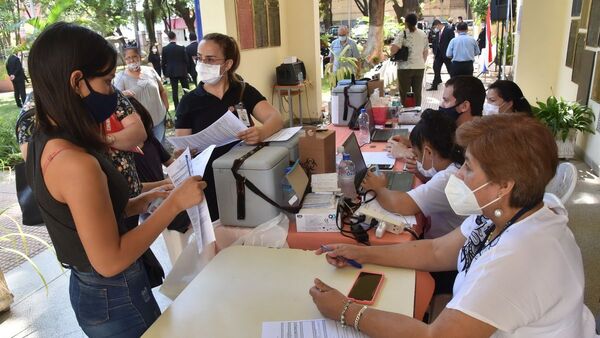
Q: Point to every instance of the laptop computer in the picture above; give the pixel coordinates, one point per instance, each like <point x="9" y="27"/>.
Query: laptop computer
<point x="396" y="180"/>
<point x="384" y="134"/>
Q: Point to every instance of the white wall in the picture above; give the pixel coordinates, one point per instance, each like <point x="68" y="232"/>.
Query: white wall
<point x="299" y="21"/>
<point x="540" y="67"/>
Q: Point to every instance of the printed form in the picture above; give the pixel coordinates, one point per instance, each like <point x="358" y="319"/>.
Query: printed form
<point x="221" y="132"/>
<point x="179" y="171"/>
<point x="317" y="328"/>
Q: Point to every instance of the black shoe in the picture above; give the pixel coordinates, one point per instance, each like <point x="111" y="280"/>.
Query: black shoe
<point x="432" y="88"/>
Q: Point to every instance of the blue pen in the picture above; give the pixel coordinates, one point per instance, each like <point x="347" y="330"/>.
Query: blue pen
<point x="352" y="262"/>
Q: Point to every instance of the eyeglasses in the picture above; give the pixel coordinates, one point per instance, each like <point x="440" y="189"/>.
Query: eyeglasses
<point x="132" y="58"/>
<point x="209" y="59"/>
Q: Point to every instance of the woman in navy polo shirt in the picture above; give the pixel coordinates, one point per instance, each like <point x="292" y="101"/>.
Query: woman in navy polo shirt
<point x="220" y="88"/>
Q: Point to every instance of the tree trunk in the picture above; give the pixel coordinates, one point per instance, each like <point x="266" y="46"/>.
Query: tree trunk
<point x="363" y="6"/>
<point x="182" y="10"/>
<point x="325" y="8"/>
<point x="408" y="6"/>
<point x="149" y="20"/>
<point x="374" y="47"/>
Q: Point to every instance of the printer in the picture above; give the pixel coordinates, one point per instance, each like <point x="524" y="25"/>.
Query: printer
<point x="290" y="74"/>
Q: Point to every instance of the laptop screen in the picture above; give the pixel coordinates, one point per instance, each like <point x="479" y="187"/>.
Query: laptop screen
<point x="369" y="111"/>
<point x="352" y="148"/>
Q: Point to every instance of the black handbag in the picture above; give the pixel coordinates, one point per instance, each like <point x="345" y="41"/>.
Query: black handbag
<point x="402" y="53"/>
<point x="27" y="202"/>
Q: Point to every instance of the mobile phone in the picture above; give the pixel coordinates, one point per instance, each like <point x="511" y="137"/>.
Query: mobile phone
<point x="365" y="288"/>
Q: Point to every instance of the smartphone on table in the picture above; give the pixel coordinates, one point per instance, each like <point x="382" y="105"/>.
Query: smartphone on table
<point x="365" y="288"/>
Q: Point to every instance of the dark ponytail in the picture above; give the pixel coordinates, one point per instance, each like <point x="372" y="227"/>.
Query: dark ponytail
<point x="438" y="130"/>
<point x="510" y="91"/>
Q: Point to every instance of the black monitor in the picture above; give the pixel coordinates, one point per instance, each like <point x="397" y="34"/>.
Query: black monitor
<point x="352" y="148"/>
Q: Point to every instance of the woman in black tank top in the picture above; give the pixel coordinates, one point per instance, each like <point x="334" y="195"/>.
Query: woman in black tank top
<point x="83" y="198"/>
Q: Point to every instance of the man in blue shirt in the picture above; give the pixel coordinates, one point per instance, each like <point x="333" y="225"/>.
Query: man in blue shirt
<point x="337" y="47"/>
<point x="462" y="50"/>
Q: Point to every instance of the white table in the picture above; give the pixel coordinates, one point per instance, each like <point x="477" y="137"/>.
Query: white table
<point x="242" y="287"/>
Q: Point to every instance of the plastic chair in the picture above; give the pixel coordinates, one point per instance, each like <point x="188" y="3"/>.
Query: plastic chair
<point x="563" y="183"/>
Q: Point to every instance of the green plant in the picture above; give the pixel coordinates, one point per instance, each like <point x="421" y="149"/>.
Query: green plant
<point x="9" y="242"/>
<point x="9" y="148"/>
<point x="347" y="66"/>
<point x="562" y="116"/>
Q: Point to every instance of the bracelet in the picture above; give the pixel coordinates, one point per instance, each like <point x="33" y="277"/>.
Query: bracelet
<point x="342" y="316"/>
<point x="359" y="316"/>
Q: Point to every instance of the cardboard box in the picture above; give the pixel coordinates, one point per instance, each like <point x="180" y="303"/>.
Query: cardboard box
<point x="371" y="85"/>
<point x="317" y="150"/>
<point x="316" y="220"/>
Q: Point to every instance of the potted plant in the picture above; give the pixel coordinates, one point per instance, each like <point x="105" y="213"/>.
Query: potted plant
<point x="8" y="243"/>
<point x="565" y="119"/>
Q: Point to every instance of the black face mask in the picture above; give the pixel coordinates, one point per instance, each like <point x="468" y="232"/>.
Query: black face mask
<point x="450" y="111"/>
<point x="100" y="106"/>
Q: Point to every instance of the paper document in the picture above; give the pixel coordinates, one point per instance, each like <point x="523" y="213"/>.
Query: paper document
<point x="317" y="328"/>
<point x="283" y="135"/>
<point x="375" y="210"/>
<point x="324" y="182"/>
<point x="221" y="132"/>
<point x="378" y="157"/>
<point x="179" y="171"/>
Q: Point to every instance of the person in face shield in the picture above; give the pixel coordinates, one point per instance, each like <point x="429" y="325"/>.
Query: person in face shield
<point x="437" y="158"/>
<point x="504" y="96"/>
<point x="145" y="85"/>
<point x="520" y="272"/>
<point x="220" y="89"/>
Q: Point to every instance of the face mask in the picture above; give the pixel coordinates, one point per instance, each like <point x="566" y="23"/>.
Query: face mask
<point x="450" y="111"/>
<point x="100" y="106"/>
<point x="490" y="109"/>
<point x="343" y="38"/>
<point x="133" y="67"/>
<point x="209" y="74"/>
<point x="462" y="199"/>
<point x="426" y="172"/>
<point x="154" y="50"/>
<point x="436" y="30"/>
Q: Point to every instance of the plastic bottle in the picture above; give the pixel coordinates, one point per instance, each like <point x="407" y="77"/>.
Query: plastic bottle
<point x="288" y="191"/>
<point x="375" y="97"/>
<point x="346" y="174"/>
<point x="364" y="133"/>
<point x="339" y="156"/>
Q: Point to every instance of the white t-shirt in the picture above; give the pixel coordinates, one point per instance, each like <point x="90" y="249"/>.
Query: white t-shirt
<point x="146" y="89"/>
<point x="529" y="282"/>
<point x="416" y="42"/>
<point x="431" y="199"/>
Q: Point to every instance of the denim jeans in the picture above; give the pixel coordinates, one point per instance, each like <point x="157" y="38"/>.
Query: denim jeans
<point x="119" y="306"/>
<point x="159" y="131"/>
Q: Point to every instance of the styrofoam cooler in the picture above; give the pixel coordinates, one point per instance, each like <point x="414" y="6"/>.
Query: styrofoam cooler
<point x="265" y="169"/>
<point x="357" y="95"/>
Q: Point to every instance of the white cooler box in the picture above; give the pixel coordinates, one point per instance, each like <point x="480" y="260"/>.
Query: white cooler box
<point x="357" y="95"/>
<point x="265" y="169"/>
<point x="291" y="145"/>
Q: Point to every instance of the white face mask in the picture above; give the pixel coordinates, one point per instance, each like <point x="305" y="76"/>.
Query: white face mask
<point x="490" y="109"/>
<point x="154" y="50"/>
<point x="133" y="67"/>
<point x="426" y="172"/>
<point x="343" y="38"/>
<point x="209" y="74"/>
<point x="462" y="199"/>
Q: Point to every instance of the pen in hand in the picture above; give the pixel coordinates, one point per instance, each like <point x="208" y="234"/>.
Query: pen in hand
<point x="351" y="262"/>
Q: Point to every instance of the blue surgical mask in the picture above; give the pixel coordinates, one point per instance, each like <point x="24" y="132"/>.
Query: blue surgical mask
<point x="100" y="106"/>
<point x="450" y="111"/>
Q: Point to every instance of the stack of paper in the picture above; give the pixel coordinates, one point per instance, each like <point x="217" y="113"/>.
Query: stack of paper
<point x="283" y="135"/>
<point x="179" y="171"/>
<point x="221" y="132"/>
<point x="375" y="210"/>
<point x="324" y="182"/>
<point x="316" y="328"/>
<point x="314" y="201"/>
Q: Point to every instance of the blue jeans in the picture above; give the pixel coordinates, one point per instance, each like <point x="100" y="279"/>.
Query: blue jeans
<point x="159" y="131"/>
<point x="119" y="306"/>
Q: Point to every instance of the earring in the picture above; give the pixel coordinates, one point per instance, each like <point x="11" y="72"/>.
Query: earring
<point x="498" y="213"/>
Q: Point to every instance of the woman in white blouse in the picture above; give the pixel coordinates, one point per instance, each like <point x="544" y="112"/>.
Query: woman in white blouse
<point x="520" y="272"/>
<point x="143" y="83"/>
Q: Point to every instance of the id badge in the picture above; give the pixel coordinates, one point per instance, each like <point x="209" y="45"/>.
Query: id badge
<point x="243" y="114"/>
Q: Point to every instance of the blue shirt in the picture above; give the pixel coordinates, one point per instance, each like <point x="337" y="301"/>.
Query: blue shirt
<point x="336" y="50"/>
<point x="462" y="48"/>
